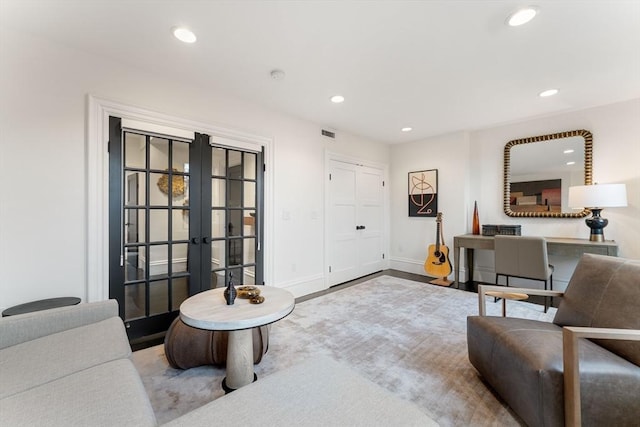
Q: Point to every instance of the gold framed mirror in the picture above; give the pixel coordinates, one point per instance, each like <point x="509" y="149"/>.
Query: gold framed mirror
<point x="539" y="170"/>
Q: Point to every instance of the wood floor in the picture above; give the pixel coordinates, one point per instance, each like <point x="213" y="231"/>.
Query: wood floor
<point x="390" y="272"/>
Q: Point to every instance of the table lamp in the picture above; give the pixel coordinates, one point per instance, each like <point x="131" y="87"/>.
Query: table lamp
<point x="594" y="198"/>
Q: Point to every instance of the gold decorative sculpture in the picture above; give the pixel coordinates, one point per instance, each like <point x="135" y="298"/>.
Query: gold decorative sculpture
<point x="177" y="184"/>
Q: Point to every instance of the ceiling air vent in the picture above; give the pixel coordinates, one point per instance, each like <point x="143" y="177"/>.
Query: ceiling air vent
<point x="328" y="134"/>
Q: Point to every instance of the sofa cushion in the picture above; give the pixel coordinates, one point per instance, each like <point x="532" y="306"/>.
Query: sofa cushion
<point x="110" y="394"/>
<point x="604" y="292"/>
<point x="29" y="326"/>
<point x="317" y="392"/>
<point x="48" y="358"/>
<point x="522" y="360"/>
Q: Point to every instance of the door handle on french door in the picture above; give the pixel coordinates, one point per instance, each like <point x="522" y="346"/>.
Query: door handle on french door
<point x="206" y="240"/>
<point x="360" y="227"/>
<point x="195" y="240"/>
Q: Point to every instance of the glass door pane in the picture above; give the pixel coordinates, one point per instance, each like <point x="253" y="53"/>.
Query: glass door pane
<point x="234" y="194"/>
<point x="154" y="230"/>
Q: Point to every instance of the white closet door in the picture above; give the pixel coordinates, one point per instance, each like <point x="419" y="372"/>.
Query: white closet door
<point x="355" y="221"/>
<point x="370" y="208"/>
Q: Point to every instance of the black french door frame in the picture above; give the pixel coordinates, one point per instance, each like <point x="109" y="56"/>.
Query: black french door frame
<point x="199" y="240"/>
<point x="201" y="215"/>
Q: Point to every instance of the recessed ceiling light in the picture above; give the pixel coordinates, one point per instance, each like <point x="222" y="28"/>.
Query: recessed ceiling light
<point x="548" y="92"/>
<point x="522" y="16"/>
<point x="277" y="74"/>
<point x="184" y="35"/>
<point x="568" y="151"/>
<point x="407" y="129"/>
<point x="337" y="99"/>
<point x="571" y="163"/>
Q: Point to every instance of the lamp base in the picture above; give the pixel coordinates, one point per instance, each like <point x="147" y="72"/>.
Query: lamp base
<point x="597" y="224"/>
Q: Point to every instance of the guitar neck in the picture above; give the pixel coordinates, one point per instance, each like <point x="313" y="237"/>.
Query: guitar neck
<point x="438" y="231"/>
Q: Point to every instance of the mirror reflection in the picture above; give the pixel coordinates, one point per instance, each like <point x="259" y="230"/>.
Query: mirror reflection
<point x="538" y="172"/>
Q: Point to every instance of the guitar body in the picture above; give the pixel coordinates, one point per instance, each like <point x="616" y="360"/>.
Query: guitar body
<point x="437" y="263"/>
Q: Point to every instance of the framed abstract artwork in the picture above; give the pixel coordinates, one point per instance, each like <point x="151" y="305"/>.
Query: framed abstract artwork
<point x="423" y="193"/>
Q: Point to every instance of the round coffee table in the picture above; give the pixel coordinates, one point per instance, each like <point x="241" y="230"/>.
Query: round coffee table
<point x="209" y="310"/>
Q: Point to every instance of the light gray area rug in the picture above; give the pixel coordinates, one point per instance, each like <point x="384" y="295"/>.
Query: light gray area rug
<point x="408" y="337"/>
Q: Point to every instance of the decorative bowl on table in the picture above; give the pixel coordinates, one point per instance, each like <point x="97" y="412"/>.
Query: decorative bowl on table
<point x="248" y="292"/>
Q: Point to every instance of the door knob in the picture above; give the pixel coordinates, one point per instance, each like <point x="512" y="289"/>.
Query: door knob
<point x="206" y="240"/>
<point x="360" y="227"/>
<point x="195" y="240"/>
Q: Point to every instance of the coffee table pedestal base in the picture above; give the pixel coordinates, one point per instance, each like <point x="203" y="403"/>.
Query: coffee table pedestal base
<point x="239" y="360"/>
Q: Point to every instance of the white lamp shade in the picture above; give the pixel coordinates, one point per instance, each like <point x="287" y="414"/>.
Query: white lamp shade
<point x="597" y="196"/>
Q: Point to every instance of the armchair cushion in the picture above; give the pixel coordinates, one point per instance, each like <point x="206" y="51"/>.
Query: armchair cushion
<point x="522" y="360"/>
<point x="604" y="292"/>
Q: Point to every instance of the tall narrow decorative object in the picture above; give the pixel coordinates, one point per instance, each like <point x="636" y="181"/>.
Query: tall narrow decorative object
<point x="476" y="219"/>
<point x="230" y="292"/>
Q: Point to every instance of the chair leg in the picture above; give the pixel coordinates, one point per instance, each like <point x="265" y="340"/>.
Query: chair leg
<point x="546" y="299"/>
<point x="551" y="288"/>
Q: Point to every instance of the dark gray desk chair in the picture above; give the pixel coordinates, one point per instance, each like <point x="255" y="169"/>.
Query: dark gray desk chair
<point x="523" y="257"/>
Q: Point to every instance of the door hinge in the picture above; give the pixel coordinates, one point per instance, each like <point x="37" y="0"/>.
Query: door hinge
<point x="329" y="177"/>
<point x="383" y="183"/>
<point x="121" y="260"/>
<point x="329" y="269"/>
<point x="382" y="256"/>
<point x="264" y="167"/>
<point x="108" y="146"/>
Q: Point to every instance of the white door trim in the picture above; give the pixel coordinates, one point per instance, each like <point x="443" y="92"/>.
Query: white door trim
<point x="329" y="156"/>
<point x="97" y="178"/>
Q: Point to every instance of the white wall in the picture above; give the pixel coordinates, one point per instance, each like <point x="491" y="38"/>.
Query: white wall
<point x="410" y="237"/>
<point x="472" y="170"/>
<point x="44" y="88"/>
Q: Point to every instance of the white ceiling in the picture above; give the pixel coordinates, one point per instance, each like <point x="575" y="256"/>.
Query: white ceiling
<point x="437" y="66"/>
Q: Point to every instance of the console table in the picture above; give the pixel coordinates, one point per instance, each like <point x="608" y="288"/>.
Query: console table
<point x="555" y="246"/>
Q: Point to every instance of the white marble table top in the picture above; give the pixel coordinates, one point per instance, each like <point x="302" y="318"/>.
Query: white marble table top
<point x="209" y="310"/>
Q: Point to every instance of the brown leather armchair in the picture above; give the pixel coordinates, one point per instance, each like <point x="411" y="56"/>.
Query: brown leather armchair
<point x="536" y="366"/>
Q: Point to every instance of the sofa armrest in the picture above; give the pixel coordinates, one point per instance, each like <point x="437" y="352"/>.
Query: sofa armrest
<point x="570" y="359"/>
<point x="29" y="326"/>
<point x="483" y="289"/>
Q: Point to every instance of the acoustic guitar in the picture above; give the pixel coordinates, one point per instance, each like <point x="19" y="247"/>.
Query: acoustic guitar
<point x="437" y="263"/>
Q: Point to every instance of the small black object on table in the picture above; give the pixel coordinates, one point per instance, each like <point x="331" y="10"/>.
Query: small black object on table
<point x="44" y="304"/>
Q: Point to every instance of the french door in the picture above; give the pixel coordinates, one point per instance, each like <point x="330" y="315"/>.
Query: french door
<point x="184" y="216"/>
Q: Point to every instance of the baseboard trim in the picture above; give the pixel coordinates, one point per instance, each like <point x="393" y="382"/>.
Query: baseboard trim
<point x="305" y="286"/>
<point x="408" y="266"/>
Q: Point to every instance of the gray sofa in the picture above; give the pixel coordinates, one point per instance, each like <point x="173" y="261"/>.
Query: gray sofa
<point x="534" y="366"/>
<point x="71" y="367"/>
